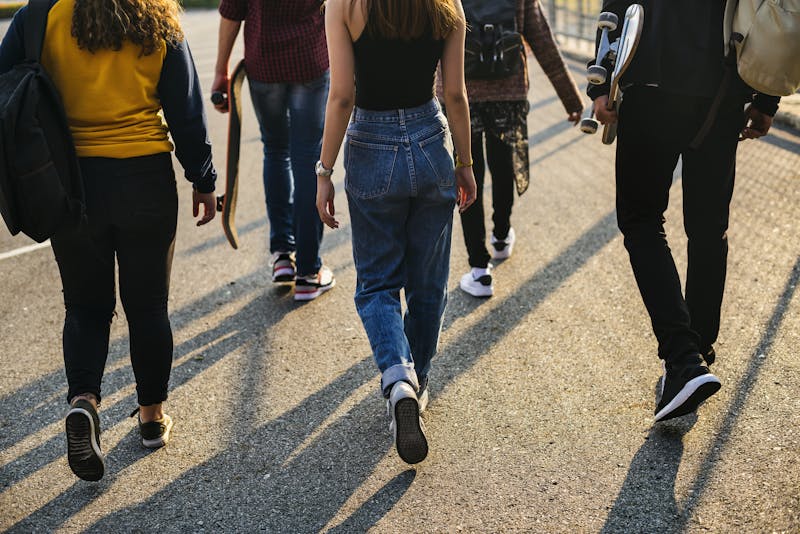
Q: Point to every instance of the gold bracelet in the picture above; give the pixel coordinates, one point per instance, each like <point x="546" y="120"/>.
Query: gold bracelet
<point x="460" y="164"/>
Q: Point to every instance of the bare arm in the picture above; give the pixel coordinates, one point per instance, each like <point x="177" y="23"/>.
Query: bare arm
<point x="457" y="105"/>
<point x="341" y="99"/>
<point x="228" y="31"/>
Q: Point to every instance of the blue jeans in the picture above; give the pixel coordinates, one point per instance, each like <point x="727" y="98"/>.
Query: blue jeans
<point x="401" y="191"/>
<point x="291" y="117"/>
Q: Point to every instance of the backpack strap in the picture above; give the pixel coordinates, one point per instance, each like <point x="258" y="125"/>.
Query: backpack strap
<point x="35" y="26"/>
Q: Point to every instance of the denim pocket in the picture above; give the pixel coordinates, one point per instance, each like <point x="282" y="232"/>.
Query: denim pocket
<point x="439" y="158"/>
<point x="368" y="168"/>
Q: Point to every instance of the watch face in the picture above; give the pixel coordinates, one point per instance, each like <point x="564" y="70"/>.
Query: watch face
<point x="321" y="170"/>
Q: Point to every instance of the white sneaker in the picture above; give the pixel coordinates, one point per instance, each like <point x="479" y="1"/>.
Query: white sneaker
<point x="502" y="248"/>
<point x="478" y="282"/>
<point x="283" y="269"/>
<point x="310" y="287"/>
<point x="423" y="399"/>
<point x="406" y="425"/>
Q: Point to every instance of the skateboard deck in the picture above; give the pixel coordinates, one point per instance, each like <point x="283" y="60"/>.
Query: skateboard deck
<point x="227" y="202"/>
<point x="626" y="48"/>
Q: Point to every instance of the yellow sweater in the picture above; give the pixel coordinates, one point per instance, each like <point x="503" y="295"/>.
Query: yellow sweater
<point x="110" y="97"/>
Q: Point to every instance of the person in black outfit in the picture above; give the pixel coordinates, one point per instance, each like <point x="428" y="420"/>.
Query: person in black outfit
<point x="676" y="74"/>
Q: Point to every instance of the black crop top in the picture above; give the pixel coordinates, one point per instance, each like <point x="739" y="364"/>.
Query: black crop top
<point x="394" y="73"/>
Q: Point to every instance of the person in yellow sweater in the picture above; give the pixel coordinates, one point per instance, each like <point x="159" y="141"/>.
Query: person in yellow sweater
<point x="119" y="65"/>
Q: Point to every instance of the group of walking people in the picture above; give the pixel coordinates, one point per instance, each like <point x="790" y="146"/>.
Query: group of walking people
<point x="362" y="73"/>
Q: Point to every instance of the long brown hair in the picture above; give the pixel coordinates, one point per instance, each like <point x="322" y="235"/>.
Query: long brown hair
<point x="411" y="19"/>
<point x="105" y="24"/>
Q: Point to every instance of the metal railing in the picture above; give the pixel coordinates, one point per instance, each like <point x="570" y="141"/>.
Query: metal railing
<point x="575" y="19"/>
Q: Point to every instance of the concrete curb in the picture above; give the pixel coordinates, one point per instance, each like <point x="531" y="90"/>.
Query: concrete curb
<point x="788" y="113"/>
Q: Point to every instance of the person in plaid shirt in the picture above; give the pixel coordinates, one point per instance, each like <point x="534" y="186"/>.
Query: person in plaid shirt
<point x="286" y="59"/>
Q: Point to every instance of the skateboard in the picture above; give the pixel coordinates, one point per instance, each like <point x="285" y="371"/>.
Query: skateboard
<point x="227" y="202"/>
<point x="620" y="54"/>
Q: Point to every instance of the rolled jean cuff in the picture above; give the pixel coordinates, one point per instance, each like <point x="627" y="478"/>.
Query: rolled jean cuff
<point x="396" y="373"/>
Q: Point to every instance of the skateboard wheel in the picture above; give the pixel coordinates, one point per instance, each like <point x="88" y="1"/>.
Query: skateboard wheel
<point x="589" y="125"/>
<point x="596" y="74"/>
<point x="607" y="21"/>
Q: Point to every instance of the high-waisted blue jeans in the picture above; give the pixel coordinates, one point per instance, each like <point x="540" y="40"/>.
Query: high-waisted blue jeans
<point x="401" y="191"/>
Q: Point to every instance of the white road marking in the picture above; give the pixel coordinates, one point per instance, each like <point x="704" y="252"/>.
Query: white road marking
<point x="23" y="250"/>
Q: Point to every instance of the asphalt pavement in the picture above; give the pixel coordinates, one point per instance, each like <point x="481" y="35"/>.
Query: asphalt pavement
<point x="541" y="417"/>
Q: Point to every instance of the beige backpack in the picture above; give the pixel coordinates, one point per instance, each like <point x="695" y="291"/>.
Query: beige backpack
<point x="766" y="36"/>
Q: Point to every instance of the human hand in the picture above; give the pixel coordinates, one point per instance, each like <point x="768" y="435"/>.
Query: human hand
<point x="467" y="191"/>
<point x="601" y="111"/>
<point x="756" y="124"/>
<point x="575" y="117"/>
<point x="220" y="85"/>
<point x="325" y="207"/>
<point x="209" y="203"/>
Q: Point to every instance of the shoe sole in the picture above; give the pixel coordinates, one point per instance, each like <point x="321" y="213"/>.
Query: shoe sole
<point x="83" y="451"/>
<point x="481" y="292"/>
<point x="409" y="438"/>
<point x="160" y="441"/>
<point x="282" y="278"/>
<point x="311" y="295"/>
<point x="688" y="399"/>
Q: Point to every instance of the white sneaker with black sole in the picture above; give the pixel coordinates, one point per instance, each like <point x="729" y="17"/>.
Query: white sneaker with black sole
<point x="502" y="248"/>
<point x="478" y="282"/>
<point x="684" y="389"/>
<point x="406" y="425"/>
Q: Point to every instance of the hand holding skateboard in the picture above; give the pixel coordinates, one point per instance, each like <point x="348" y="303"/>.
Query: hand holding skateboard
<point x="619" y="54"/>
<point x="219" y="92"/>
<point x="226" y="96"/>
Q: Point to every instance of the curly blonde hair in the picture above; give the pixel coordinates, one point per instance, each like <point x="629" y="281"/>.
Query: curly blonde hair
<point x="105" y="24"/>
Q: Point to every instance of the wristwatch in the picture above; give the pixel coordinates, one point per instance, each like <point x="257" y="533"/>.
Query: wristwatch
<point x="321" y="170"/>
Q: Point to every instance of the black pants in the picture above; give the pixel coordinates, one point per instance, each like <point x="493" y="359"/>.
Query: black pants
<point x="132" y="207"/>
<point x="655" y="129"/>
<point x="499" y="158"/>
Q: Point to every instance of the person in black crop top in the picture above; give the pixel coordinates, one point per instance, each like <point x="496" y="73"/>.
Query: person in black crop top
<point x="400" y="181"/>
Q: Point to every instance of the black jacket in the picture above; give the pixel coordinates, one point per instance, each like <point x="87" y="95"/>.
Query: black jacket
<point x="681" y="51"/>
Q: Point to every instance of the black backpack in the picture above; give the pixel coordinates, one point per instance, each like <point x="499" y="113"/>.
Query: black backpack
<point x="493" y="46"/>
<point x="40" y="184"/>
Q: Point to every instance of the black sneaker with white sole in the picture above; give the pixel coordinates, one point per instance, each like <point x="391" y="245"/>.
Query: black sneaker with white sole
<point x="683" y="389"/>
<point x="709" y="355"/>
<point x="406" y="425"/>
<point x="155" y="434"/>
<point x="83" y="441"/>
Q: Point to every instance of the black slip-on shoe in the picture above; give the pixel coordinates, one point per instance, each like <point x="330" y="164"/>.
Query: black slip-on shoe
<point x="83" y="441"/>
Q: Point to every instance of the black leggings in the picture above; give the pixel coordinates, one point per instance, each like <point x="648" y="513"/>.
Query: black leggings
<point x="132" y="207"/>
<point x="499" y="157"/>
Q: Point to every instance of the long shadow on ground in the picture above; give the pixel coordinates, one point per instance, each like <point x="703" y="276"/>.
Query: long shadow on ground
<point x="646" y="502"/>
<point x="263" y="482"/>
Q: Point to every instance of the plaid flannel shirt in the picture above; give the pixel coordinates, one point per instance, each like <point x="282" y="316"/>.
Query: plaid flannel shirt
<point x="284" y="40"/>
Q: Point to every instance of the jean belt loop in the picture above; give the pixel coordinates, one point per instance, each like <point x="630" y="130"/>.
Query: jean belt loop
<point x="402" y="115"/>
